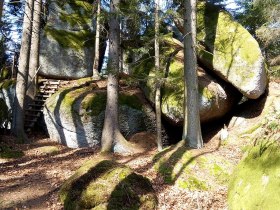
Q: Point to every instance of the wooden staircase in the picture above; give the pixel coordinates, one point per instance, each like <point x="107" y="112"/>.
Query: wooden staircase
<point x="34" y="110"/>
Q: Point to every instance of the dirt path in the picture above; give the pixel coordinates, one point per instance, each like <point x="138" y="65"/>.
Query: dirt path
<point x="33" y="181"/>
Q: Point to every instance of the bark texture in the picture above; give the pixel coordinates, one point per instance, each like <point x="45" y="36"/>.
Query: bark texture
<point x="95" y="73"/>
<point x="23" y="71"/>
<point x="34" y="49"/>
<point x="157" y="67"/>
<point x="191" y="129"/>
<point x="112" y="139"/>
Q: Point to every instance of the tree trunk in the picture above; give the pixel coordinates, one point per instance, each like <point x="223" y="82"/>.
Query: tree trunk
<point x="1" y="9"/>
<point x="191" y="129"/>
<point x="158" y="82"/>
<point x="95" y="73"/>
<point x="34" y="49"/>
<point x="23" y="72"/>
<point x="111" y="135"/>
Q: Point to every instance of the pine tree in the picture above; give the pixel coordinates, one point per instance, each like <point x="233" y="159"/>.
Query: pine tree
<point x="23" y="72"/>
<point x="191" y="129"/>
<point x="34" y="49"/>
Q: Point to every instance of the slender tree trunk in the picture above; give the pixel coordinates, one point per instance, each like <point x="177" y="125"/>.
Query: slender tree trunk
<point x="95" y="73"/>
<point x="14" y="70"/>
<point x="23" y="72"/>
<point x="1" y="9"/>
<point x="35" y="49"/>
<point x="192" y="129"/>
<point x="111" y="132"/>
<point x="158" y="82"/>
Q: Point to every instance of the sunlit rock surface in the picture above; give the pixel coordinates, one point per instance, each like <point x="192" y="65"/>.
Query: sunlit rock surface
<point x="74" y="116"/>
<point x="216" y="98"/>
<point x="67" y="44"/>
<point x="229" y="50"/>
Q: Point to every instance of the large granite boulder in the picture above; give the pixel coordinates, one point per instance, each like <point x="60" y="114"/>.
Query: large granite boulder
<point x="216" y="98"/>
<point x="229" y="50"/>
<point x="74" y="116"/>
<point x="67" y="40"/>
<point x="105" y="184"/>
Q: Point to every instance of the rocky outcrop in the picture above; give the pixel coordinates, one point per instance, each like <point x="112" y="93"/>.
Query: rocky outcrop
<point x="229" y="50"/>
<point x="105" y="184"/>
<point x="7" y="95"/>
<point x="7" y="92"/>
<point x="216" y="97"/>
<point x="74" y="116"/>
<point x="67" y="44"/>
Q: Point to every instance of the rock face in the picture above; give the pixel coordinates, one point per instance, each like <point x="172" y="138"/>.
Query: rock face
<point x="229" y="50"/>
<point x="216" y="98"/>
<point x="7" y="92"/>
<point x="74" y="116"/>
<point x="7" y="95"/>
<point x="105" y="184"/>
<point x="66" y="47"/>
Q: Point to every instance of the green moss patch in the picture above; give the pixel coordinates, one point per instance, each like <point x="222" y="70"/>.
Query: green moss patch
<point x="91" y="101"/>
<point x="48" y="150"/>
<point x="88" y="188"/>
<point x="5" y="73"/>
<point x="8" y="152"/>
<point x="7" y="83"/>
<point x="71" y="39"/>
<point x="256" y="181"/>
<point x="181" y="166"/>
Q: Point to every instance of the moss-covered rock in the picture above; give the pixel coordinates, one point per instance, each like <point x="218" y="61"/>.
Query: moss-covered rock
<point x="215" y="98"/>
<point x="105" y="184"/>
<point x="66" y="48"/>
<point x="5" y="73"/>
<point x="256" y="181"/>
<point x="229" y="50"/>
<point x="74" y="116"/>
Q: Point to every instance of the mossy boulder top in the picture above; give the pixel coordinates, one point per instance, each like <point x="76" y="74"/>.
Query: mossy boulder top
<point x="216" y="98"/>
<point x="255" y="183"/>
<point x="229" y="50"/>
<point x="74" y="116"/>
<point x="105" y="184"/>
<point x="67" y="44"/>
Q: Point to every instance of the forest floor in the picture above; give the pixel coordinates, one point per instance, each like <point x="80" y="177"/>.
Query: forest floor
<point x="33" y="180"/>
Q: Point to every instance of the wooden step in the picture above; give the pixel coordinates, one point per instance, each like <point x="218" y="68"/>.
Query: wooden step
<point x="34" y="110"/>
<point x="47" y="91"/>
<point x="51" y="83"/>
<point x="38" y="105"/>
<point x="30" y="120"/>
<point x="33" y="115"/>
<point x="43" y="96"/>
<point x="40" y="100"/>
<point x="49" y="87"/>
